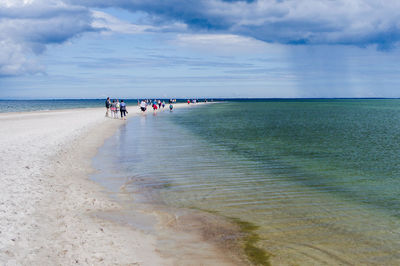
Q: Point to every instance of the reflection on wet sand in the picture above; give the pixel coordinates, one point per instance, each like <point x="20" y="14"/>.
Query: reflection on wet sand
<point x="184" y="235"/>
<point x="295" y="216"/>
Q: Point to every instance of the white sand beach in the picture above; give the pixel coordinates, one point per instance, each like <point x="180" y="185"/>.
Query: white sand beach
<point x="47" y="201"/>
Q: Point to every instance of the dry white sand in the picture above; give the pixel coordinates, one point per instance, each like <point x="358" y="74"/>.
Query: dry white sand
<point x="47" y="202"/>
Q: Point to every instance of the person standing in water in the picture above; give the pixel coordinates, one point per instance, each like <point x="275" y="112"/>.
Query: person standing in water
<point x="171" y="107"/>
<point x="108" y="105"/>
<point x="123" y="110"/>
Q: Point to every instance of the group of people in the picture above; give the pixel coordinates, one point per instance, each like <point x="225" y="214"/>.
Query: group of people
<point x="155" y="104"/>
<point x="189" y="101"/>
<point x="116" y="108"/>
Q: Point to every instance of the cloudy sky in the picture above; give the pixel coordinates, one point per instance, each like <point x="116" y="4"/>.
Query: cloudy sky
<point x="199" y="48"/>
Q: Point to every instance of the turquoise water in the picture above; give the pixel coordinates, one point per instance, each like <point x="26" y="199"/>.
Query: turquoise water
<point x="319" y="177"/>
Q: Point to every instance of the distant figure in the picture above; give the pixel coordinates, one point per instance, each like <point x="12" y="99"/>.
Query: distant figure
<point x="143" y="105"/>
<point x="123" y="110"/>
<point x="117" y="105"/>
<point x="171" y="107"/>
<point x="113" y="109"/>
<point x="108" y="105"/>
<point x="188" y="101"/>
<point x="163" y="104"/>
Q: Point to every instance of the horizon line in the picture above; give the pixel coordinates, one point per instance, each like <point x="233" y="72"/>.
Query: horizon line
<point x="205" y="98"/>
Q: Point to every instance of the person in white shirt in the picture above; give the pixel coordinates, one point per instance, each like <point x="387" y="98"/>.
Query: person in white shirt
<point x="143" y="106"/>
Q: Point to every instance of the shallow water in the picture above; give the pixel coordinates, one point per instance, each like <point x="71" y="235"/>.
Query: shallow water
<point x="320" y="177"/>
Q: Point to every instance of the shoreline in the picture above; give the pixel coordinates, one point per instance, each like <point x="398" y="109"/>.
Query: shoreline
<point x="50" y="210"/>
<point x="130" y="105"/>
<point x="48" y="197"/>
<point x="197" y="230"/>
<point x="93" y="240"/>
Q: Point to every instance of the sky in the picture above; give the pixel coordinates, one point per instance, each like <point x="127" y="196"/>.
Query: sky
<point x="199" y="48"/>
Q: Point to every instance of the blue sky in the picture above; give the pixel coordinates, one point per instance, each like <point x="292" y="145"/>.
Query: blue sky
<point x="202" y="48"/>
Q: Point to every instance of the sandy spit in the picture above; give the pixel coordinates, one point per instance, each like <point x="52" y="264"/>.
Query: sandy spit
<point x="48" y="206"/>
<point x="46" y="199"/>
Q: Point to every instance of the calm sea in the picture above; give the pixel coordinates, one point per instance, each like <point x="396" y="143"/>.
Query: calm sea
<point x="321" y="178"/>
<point x="45" y="105"/>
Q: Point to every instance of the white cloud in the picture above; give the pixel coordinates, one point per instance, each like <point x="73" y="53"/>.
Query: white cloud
<point x="116" y="25"/>
<point x="351" y="22"/>
<point x="11" y="3"/>
<point x="15" y="61"/>
<point x="227" y="44"/>
<point x="113" y="24"/>
<point x="27" y="27"/>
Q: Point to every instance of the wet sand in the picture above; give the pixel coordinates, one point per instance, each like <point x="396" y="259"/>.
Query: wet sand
<point x="52" y="214"/>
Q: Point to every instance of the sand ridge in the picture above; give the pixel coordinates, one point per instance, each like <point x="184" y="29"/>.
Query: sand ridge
<point x="48" y="206"/>
<point x="46" y="199"/>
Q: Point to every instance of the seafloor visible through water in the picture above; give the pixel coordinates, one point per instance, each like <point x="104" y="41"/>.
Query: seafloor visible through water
<point x="318" y="179"/>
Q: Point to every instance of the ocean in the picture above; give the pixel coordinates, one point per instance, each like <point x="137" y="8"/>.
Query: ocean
<point x="58" y="104"/>
<point x="318" y="179"/>
<point x="45" y="105"/>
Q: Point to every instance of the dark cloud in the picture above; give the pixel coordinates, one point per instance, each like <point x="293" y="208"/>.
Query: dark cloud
<point x="28" y="27"/>
<point x="355" y="22"/>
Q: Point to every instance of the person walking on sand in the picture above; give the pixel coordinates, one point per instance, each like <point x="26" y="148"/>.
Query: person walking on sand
<point x="108" y="104"/>
<point x="113" y="109"/>
<point x="143" y="106"/>
<point x="118" y="106"/>
<point x="123" y="110"/>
